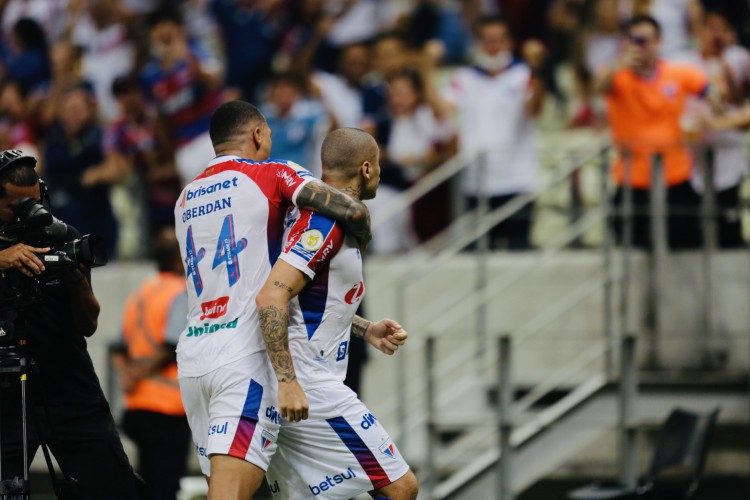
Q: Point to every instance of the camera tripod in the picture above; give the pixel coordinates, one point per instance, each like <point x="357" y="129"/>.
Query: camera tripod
<point x="15" y="363"/>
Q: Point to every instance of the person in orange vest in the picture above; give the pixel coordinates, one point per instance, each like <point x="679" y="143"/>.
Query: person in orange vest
<point x="145" y="361"/>
<point x="646" y="98"/>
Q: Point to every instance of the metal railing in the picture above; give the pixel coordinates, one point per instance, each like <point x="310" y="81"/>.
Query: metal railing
<point x="448" y="311"/>
<point x="513" y="428"/>
<point x="444" y="313"/>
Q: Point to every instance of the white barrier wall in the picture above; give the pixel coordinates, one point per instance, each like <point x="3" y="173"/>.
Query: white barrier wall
<point x="542" y="288"/>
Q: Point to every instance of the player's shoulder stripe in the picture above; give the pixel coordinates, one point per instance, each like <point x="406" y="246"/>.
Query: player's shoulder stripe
<point x="249" y="167"/>
<point x="298" y="229"/>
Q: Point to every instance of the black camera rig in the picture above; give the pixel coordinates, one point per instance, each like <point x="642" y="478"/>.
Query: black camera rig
<point x="35" y="226"/>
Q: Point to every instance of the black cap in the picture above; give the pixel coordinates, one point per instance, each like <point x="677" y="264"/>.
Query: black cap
<point x="15" y="157"/>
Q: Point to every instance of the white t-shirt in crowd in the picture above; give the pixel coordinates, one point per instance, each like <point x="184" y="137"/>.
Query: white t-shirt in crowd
<point x="107" y="54"/>
<point x="492" y="120"/>
<point x="413" y="137"/>
<point x="730" y="159"/>
<point x="342" y="100"/>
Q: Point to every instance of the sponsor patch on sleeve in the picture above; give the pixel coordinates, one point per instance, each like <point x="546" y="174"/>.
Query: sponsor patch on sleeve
<point x="311" y="240"/>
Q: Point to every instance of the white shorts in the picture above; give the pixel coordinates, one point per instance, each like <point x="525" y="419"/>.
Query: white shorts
<point x="232" y="411"/>
<point x="340" y="451"/>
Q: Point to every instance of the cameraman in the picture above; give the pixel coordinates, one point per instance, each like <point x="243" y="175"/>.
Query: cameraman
<point x="66" y="406"/>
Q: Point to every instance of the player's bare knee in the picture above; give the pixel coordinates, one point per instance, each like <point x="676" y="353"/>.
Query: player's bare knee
<point x="405" y="488"/>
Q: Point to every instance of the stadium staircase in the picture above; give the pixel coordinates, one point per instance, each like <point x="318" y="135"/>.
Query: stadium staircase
<point x="565" y="333"/>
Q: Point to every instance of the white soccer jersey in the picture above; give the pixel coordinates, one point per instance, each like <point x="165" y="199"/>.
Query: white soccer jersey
<point x="320" y="317"/>
<point x="229" y="223"/>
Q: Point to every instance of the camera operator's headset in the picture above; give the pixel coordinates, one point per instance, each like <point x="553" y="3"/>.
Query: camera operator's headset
<point x="11" y="157"/>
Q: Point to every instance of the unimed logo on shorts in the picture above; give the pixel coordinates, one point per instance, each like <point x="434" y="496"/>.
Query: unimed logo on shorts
<point x="208" y="328"/>
<point x="215" y="308"/>
<point x="331" y="482"/>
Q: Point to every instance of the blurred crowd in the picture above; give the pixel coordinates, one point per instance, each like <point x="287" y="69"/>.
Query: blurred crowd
<point x="114" y="96"/>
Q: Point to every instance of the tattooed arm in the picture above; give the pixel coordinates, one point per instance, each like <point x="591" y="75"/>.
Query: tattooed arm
<point x="386" y="335"/>
<point x="331" y="202"/>
<point x="283" y="283"/>
<point x="360" y="326"/>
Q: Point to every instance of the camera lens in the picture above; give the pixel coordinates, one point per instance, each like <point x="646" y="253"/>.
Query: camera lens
<point x="89" y="250"/>
<point x="31" y="213"/>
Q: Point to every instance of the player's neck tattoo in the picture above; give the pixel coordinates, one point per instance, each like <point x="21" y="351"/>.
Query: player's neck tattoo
<point x="352" y="191"/>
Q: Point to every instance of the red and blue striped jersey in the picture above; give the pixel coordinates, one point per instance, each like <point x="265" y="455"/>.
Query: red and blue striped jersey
<point x="230" y="224"/>
<point x="320" y="317"/>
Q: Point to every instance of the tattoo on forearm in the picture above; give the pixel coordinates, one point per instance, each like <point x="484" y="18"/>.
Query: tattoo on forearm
<point x="360" y="326"/>
<point x="273" y="324"/>
<point x="333" y="203"/>
<point x="283" y="286"/>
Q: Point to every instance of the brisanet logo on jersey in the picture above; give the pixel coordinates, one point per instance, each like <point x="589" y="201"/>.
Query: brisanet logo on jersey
<point x="204" y="190"/>
<point x="214" y="308"/>
<point x="208" y="328"/>
<point x="331" y="482"/>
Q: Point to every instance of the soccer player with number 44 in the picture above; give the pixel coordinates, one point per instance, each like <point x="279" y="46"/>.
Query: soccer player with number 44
<point x="229" y="223"/>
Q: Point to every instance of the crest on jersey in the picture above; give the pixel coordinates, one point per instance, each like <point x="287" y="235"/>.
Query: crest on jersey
<point x="311" y="240"/>
<point x="388" y="449"/>
<point x="266" y="438"/>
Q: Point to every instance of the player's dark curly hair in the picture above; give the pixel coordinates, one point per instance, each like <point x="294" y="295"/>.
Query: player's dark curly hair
<point x="231" y="119"/>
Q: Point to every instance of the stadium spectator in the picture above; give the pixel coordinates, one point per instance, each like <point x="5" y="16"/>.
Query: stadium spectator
<point x="341" y="92"/>
<point x="390" y="54"/>
<point x="16" y="127"/>
<point x="597" y="43"/>
<point x="26" y="58"/>
<point x="107" y="52"/>
<point x="728" y="69"/>
<point x="73" y="147"/>
<point x="497" y="100"/>
<point x="131" y="145"/>
<point x="307" y="325"/>
<point x="676" y="19"/>
<point x="646" y="98"/>
<point x="51" y="15"/>
<point x="202" y="28"/>
<point x="184" y="84"/>
<point x="453" y="31"/>
<point x="349" y="21"/>
<point x="417" y="138"/>
<point x="45" y="98"/>
<point x="251" y="31"/>
<point x="305" y="26"/>
<point x="144" y="358"/>
<point x="299" y="122"/>
<point x="524" y="18"/>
